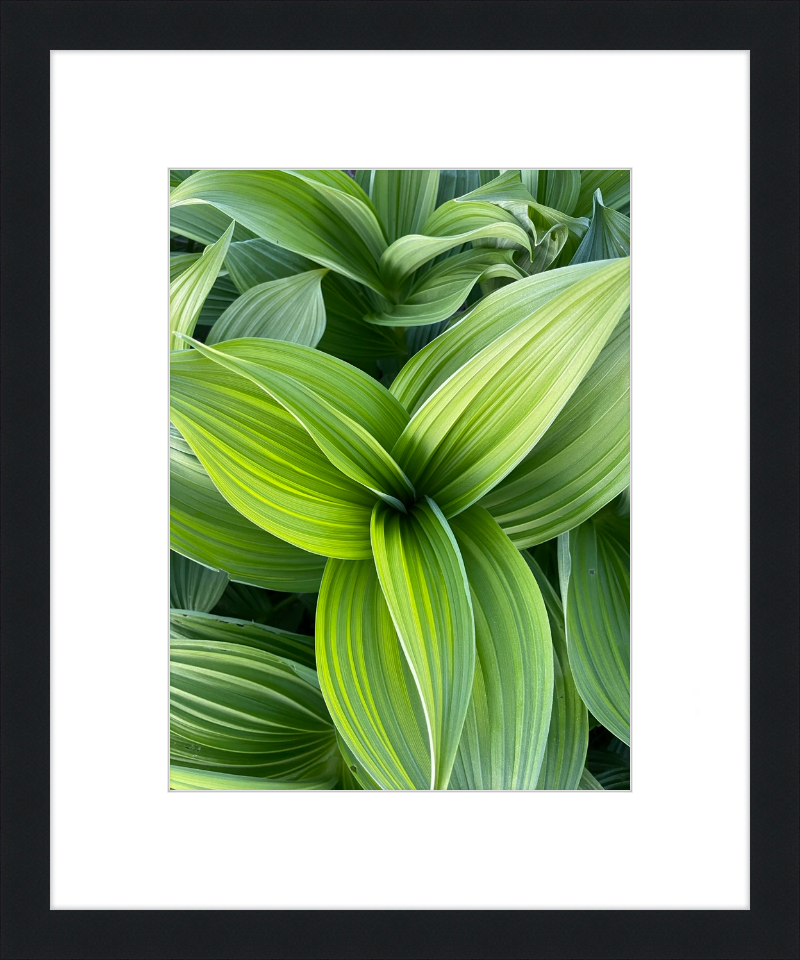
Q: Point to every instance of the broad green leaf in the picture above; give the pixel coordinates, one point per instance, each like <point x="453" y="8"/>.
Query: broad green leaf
<point x="204" y="224"/>
<point x="354" y="776"/>
<point x="608" y="236"/>
<point x="491" y="318"/>
<point x="313" y="388"/>
<point x="583" y="460"/>
<point x="616" y="187"/>
<point x="425" y="585"/>
<point x="609" y="770"/>
<point x="253" y="262"/>
<point x="479" y="424"/>
<point x="188" y="291"/>
<point x="183" y="777"/>
<point x="292" y="210"/>
<point x="235" y="709"/>
<point x="178" y="176"/>
<point x="557" y="189"/>
<point x="290" y="309"/>
<point x="451" y="225"/>
<point x="455" y="183"/>
<point x="594" y="563"/>
<point x="206" y="528"/>
<point x="366" y="680"/>
<point x="588" y="781"/>
<point x="568" y="736"/>
<point x="264" y="463"/>
<point x="505" y="731"/>
<point x="192" y="586"/>
<point x="189" y="625"/>
<point x="440" y="291"/>
<point x="403" y="199"/>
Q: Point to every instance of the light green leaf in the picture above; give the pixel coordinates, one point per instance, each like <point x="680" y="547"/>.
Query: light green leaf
<point x="583" y="460"/>
<point x="187" y="293"/>
<point x="354" y="775"/>
<point x="204" y="224"/>
<point x="253" y="262"/>
<point x="404" y="199"/>
<point x="615" y="185"/>
<point x="505" y="731"/>
<point x="190" y="625"/>
<point x="491" y="318"/>
<point x="594" y="565"/>
<point x="568" y="736"/>
<point x="206" y="528"/>
<point x="588" y="781"/>
<point x="491" y="412"/>
<point x="264" y="463"/>
<point x="440" y="291"/>
<point x="425" y="585"/>
<point x="311" y="386"/>
<point x="235" y="709"/>
<point x="608" y="236"/>
<point x="294" y="210"/>
<point x="366" y="680"/>
<point x="451" y="225"/>
<point x="192" y="586"/>
<point x="178" y="262"/>
<point x="290" y="309"/>
<point x="183" y="777"/>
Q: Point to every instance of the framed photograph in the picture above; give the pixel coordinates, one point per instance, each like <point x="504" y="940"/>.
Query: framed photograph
<point x="666" y="139"/>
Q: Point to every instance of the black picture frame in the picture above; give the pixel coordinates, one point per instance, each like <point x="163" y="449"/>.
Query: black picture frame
<point x="770" y="31"/>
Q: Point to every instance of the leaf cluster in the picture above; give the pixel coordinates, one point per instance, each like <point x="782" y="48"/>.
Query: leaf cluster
<point x="399" y="455"/>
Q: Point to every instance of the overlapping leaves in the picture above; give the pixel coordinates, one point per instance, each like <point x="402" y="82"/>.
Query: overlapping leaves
<point x="445" y="657"/>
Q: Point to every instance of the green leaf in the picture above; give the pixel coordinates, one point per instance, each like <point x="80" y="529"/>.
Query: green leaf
<point x="451" y="225"/>
<point x="425" y="585"/>
<point x="588" y="781"/>
<point x="295" y="210"/>
<point x="594" y="563"/>
<point x="189" y="625"/>
<point x="253" y="262"/>
<point x="354" y="775"/>
<point x="404" y="199"/>
<point x="568" y="736"/>
<point x="187" y="293"/>
<point x="178" y="176"/>
<point x="204" y="224"/>
<point x="615" y="185"/>
<point x="583" y="460"/>
<point x="505" y="731"/>
<point x="312" y="387"/>
<point x="236" y="709"/>
<point x="557" y="189"/>
<point x="491" y="318"/>
<point x="290" y="309"/>
<point x="491" y="412"/>
<point x="264" y="463"/>
<point x="206" y="528"/>
<point x="346" y="335"/>
<point x="440" y="291"/>
<point x="366" y="681"/>
<point x="179" y="262"/>
<point x="192" y="586"/>
<point x="221" y="296"/>
<point x="455" y="183"/>
<point x="183" y="777"/>
<point x="608" y="236"/>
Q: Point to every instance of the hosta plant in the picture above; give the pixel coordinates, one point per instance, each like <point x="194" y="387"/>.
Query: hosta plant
<point x="399" y="479"/>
